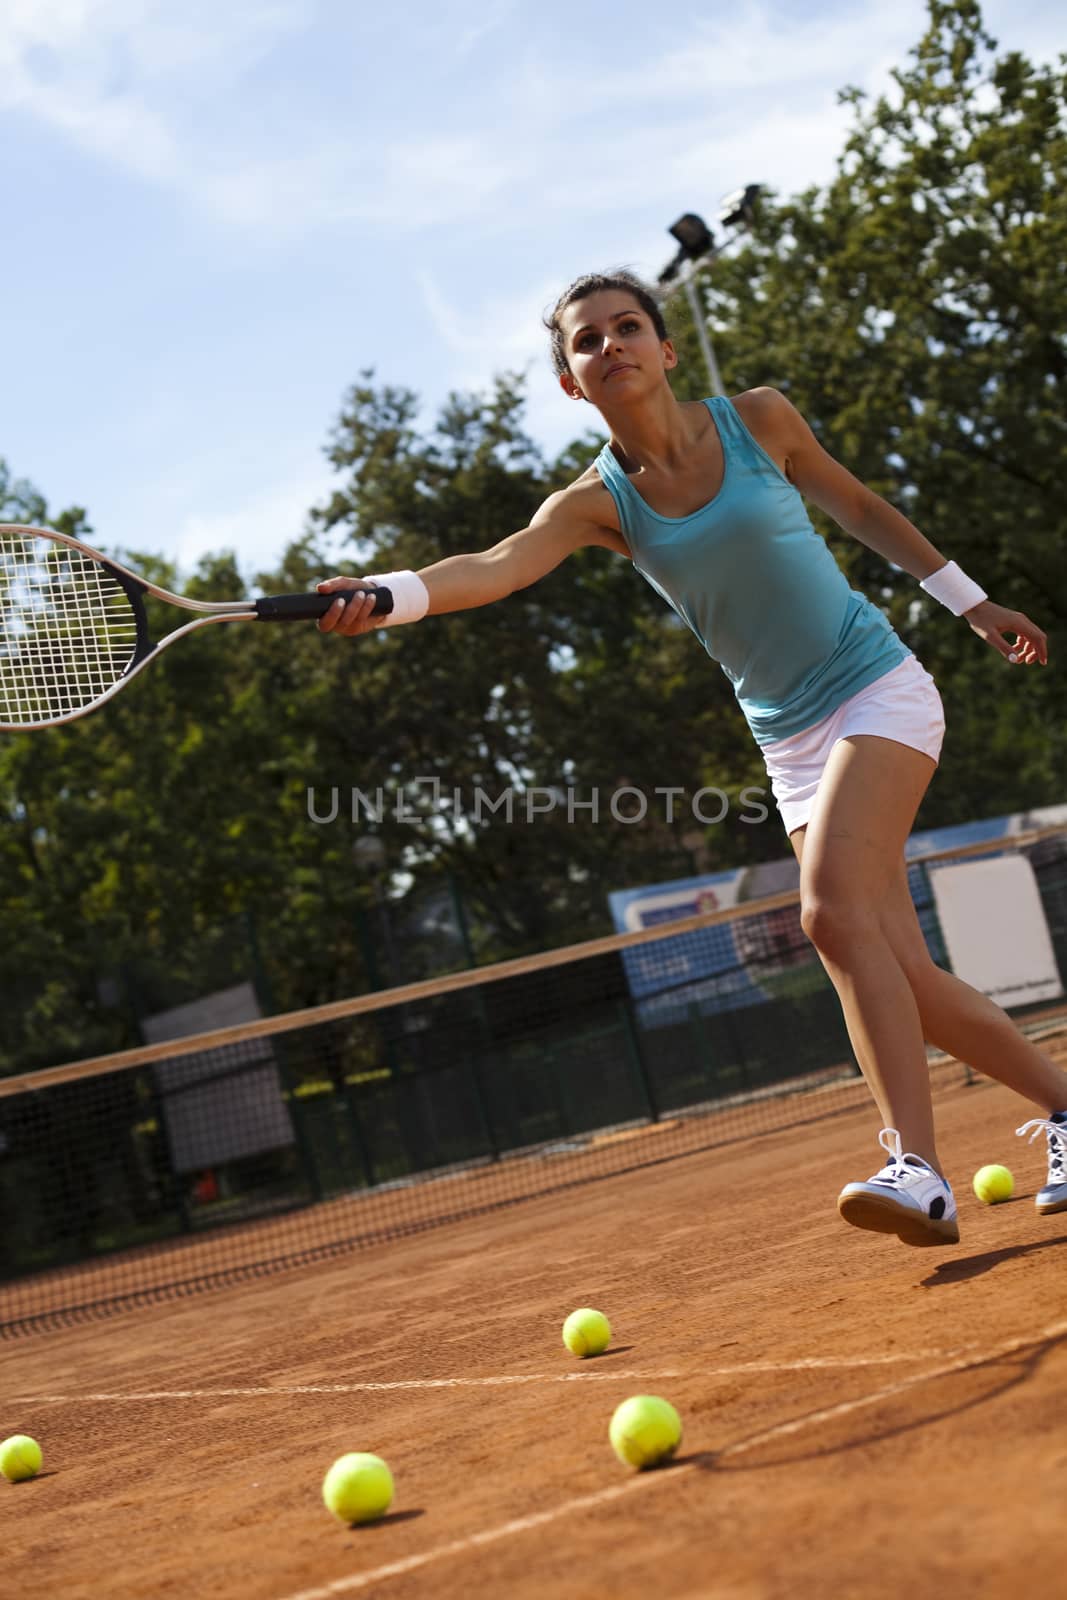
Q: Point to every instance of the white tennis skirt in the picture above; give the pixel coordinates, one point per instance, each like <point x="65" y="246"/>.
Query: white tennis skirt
<point x="903" y="705"/>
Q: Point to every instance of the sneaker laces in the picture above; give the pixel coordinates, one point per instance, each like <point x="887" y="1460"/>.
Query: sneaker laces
<point x="1056" y="1133"/>
<point x="901" y="1168"/>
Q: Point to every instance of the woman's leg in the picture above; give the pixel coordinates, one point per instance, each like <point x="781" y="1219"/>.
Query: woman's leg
<point x="850" y="856"/>
<point x="960" y="1020"/>
<point x="955" y="1017"/>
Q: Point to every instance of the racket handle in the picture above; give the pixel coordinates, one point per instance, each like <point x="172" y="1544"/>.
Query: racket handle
<point x="308" y="607"/>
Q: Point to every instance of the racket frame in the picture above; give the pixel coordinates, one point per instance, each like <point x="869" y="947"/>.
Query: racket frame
<point x="135" y="588"/>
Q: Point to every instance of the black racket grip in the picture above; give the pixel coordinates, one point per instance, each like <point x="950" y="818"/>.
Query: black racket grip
<point x="308" y="607"/>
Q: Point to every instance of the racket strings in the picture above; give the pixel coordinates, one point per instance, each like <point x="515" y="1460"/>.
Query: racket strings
<point x="68" y="630"/>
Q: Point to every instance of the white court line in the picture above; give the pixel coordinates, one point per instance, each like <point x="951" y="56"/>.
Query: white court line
<point x="334" y="1388"/>
<point x="583" y="1376"/>
<point x="521" y="1525"/>
<point x="395" y="1569"/>
<point x="782" y="1429"/>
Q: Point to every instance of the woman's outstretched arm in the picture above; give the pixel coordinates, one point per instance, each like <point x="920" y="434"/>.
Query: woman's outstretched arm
<point x="565" y="522"/>
<point x="881" y="527"/>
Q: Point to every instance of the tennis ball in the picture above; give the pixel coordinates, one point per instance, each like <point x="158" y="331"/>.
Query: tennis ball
<point x="645" y="1431"/>
<point x="358" y="1488"/>
<point x="20" y="1457"/>
<point x="586" y="1332"/>
<point x="993" y="1183"/>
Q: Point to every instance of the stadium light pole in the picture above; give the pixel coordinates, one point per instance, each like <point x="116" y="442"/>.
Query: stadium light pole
<point x="697" y="248"/>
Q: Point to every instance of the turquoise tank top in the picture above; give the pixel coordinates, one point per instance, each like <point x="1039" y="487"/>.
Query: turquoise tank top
<point x="760" y="589"/>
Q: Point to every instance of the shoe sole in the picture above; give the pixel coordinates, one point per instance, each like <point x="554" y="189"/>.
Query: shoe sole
<point x="881" y="1216"/>
<point x="1050" y="1210"/>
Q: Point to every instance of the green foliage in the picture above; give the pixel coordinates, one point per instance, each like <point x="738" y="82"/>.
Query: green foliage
<point x="914" y="312"/>
<point x="582" y="682"/>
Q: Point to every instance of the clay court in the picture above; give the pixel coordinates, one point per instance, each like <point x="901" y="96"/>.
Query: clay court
<point x="857" y="1414"/>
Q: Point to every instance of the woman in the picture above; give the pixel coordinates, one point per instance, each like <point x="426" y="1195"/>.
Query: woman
<point x="705" y="499"/>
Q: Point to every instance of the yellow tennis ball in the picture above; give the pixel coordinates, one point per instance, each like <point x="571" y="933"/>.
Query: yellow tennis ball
<point x="993" y="1183"/>
<point x="358" y="1488"/>
<point x="586" y="1332"/>
<point x="20" y="1457"/>
<point x="645" y="1431"/>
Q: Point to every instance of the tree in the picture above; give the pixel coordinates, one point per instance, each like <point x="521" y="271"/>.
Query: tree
<point x="164" y="848"/>
<point x="914" y="312"/>
<point x="583" y="682"/>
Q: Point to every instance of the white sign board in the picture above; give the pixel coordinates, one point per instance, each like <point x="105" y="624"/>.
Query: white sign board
<point x="223" y="1104"/>
<point x="995" y="929"/>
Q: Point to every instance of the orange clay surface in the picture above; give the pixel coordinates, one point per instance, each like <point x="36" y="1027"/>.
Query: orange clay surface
<point x="860" y="1418"/>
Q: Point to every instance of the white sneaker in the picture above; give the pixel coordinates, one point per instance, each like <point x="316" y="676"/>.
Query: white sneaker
<point x="907" y="1198"/>
<point x="1053" y="1197"/>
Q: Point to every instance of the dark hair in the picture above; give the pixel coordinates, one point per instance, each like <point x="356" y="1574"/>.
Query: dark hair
<point x="592" y="283"/>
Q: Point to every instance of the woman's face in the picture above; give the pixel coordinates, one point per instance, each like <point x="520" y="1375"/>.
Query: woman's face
<point x="612" y="348"/>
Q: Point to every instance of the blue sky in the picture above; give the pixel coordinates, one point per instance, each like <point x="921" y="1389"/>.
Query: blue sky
<point x="218" y="213"/>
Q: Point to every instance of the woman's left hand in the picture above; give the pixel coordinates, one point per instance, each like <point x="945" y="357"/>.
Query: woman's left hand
<point x="990" y="622"/>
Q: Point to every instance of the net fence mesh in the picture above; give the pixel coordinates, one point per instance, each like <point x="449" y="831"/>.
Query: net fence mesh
<point x="210" y="1160"/>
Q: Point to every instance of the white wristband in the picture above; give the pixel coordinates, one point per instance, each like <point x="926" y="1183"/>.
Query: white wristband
<point x="411" y="598"/>
<point x="953" y="589"/>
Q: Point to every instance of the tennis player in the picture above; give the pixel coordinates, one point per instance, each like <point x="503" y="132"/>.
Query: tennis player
<point x="706" y="499"/>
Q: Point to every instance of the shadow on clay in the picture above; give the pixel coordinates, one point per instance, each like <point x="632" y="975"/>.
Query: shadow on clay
<point x="973" y="1266"/>
<point x="1000" y="1373"/>
<point x="389" y="1520"/>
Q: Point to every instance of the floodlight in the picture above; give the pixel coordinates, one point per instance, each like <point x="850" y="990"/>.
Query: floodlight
<point x="738" y="208"/>
<point x="694" y="240"/>
<point x="693" y="234"/>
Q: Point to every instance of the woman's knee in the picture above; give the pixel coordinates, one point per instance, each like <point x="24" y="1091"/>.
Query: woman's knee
<point x="836" y="923"/>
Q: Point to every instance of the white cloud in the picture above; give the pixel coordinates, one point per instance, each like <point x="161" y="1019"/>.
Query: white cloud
<point x="258" y="528"/>
<point x="158" y="90"/>
<point x="501" y="149"/>
<point x="90" y="40"/>
<point x="465" y="35"/>
<point x="498" y="328"/>
<point x="503" y="332"/>
<point x="128" y="80"/>
<point x="750" y="98"/>
<point x="423" y="182"/>
<point x="768" y="51"/>
<point x="161" y="88"/>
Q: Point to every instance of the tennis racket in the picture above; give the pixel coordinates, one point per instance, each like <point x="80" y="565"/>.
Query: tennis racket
<point x="73" y="629"/>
